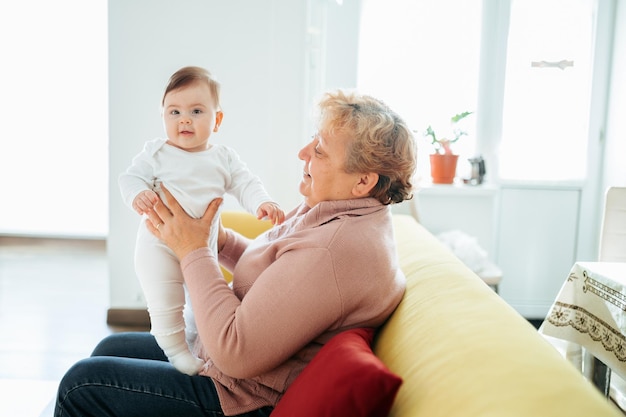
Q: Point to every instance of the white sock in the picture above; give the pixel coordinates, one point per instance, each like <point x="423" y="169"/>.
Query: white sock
<point x="177" y="351"/>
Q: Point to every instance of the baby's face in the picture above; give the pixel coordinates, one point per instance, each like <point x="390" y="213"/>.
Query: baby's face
<point x="190" y="115"/>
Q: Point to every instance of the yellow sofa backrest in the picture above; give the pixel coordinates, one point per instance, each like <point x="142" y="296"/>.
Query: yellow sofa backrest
<point x="244" y="223"/>
<point x="462" y="351"/>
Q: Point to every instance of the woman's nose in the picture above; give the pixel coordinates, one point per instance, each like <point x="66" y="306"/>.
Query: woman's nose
<point x="304" y="152"/>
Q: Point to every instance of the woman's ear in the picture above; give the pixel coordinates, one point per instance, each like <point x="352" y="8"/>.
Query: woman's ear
<point x="365" y="184"/>
<point x="218" y="120"/>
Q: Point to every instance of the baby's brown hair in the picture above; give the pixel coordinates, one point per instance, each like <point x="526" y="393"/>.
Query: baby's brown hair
<point x="190" y="75"/>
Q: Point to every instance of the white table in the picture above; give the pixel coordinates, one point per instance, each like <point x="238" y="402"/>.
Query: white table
<point x="589" y="314"/>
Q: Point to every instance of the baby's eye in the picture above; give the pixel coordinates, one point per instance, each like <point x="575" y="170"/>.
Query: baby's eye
<point x="174" y="112"/>
<point x="196" y="111"/>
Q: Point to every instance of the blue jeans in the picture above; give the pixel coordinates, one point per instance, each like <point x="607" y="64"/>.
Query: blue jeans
<point x="128" y="375"/>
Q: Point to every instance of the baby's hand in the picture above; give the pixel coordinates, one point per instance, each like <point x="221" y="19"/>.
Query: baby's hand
<point x="272" y="211"/>
<point x="144" y="201"/>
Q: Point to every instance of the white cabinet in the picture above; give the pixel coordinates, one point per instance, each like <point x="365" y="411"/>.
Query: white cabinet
<point x="536" y="240"/>
<point x="470" y="209"/>
<point x="529" y="232"/>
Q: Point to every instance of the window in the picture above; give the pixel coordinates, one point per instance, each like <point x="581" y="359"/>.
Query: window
<point x="422" y="57"/>
<point x="53" y="150"/>
<point x="547" y="90"/>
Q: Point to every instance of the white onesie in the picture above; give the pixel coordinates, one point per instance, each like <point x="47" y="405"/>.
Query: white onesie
<point x="194" y="179"/>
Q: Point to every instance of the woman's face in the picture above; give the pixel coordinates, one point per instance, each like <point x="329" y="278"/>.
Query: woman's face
<point x="324" y="177"/>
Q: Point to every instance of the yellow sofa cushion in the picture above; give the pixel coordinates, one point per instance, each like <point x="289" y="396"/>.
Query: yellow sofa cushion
<point x="462" y="351"/>
<point x="244" y="223"/>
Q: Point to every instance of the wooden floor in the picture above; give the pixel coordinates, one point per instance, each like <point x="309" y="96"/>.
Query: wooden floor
<point x="54" y="298"/>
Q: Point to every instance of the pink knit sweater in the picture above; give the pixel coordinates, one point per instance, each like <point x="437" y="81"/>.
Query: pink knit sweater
<point x="324" y="270"/>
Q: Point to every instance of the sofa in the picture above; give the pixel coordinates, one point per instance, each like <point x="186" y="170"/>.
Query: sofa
<point x="459" y="348"/>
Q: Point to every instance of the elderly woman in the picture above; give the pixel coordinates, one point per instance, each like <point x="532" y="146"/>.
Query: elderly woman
<point x="331" y="266"/>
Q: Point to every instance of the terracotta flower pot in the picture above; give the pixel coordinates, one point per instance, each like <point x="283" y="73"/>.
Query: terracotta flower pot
<point x="443" y="168"/>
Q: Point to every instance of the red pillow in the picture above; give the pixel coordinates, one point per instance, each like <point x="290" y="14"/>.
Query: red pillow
<point x="345" y="378"/>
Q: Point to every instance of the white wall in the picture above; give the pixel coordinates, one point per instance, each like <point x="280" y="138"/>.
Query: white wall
<point x="255" y="48"/>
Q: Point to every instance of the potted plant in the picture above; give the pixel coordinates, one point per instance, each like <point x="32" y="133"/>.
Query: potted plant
<point x="443" y="161"/>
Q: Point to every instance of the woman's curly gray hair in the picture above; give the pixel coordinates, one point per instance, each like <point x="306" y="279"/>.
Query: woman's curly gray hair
<point x="381" y="141"/>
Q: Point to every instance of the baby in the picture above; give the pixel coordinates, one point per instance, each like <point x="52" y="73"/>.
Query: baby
<point x="195" y="172"/>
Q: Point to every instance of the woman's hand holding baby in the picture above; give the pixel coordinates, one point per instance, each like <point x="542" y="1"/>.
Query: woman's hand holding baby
<point x="181" y="232"/>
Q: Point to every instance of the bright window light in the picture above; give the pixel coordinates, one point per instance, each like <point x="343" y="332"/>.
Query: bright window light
<point x="422" y="58"/>
<point x="547" y="91"/>
<point x="53" y="148"/>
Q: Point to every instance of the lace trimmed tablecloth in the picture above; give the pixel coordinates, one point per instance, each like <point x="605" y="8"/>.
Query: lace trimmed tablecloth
<point x="590" y="311"/>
